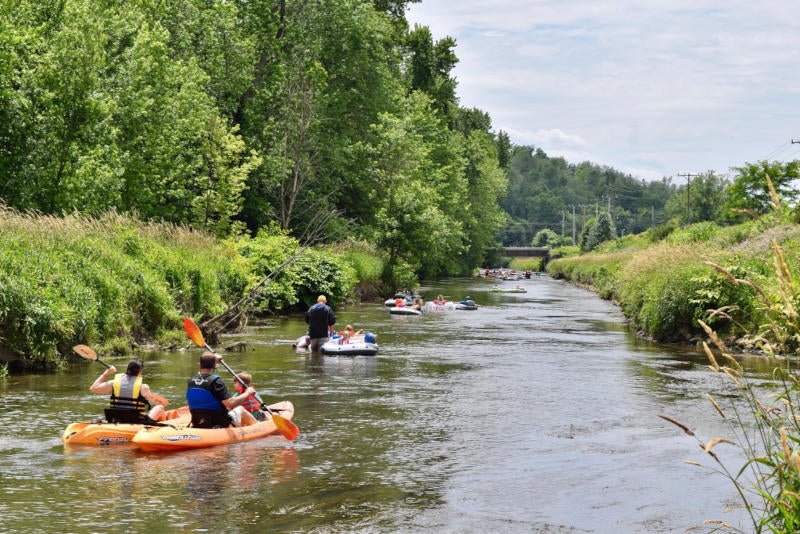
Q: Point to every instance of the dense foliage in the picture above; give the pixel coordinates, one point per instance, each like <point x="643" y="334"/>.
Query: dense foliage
<point x="224" y="115"/>
<point x="117" y="281"/>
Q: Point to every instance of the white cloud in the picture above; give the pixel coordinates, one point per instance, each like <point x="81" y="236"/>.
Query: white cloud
<point x="699" y="84"/>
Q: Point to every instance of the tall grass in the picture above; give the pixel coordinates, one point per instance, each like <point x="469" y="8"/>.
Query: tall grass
<point x="75" y="279"/>
<point x="667" y="287"/>
<point x="765" y="427"/>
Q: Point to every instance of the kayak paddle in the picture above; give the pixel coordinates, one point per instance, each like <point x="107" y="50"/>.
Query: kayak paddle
<point x="88" y="353"/>
<point x="285" y="427"/>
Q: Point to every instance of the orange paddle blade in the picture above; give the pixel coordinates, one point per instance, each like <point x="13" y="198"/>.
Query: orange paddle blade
<point x="85" y="352"/>
<point x="193" y="331"/>
<point x="286" y="427"/>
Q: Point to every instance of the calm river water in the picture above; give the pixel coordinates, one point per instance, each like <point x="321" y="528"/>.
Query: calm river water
<point x="536" y="413"/>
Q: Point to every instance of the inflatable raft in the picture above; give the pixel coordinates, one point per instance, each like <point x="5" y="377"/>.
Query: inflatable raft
<point x="404" y="310"/>
<point x="509" y="290"/>
<point x="101" y="433"/>
<point x="465" y="306"/>
<point x="152" y="438"/>
<point x="355" y="346"/>
<point x="447" y="306"/>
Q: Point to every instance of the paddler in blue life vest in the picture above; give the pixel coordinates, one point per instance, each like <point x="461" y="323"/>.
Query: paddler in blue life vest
<point x="210" y="403"/>
<point x="130" y="397"/>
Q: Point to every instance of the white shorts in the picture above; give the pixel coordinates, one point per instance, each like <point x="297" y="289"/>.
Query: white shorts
<point x="236" y="417"/>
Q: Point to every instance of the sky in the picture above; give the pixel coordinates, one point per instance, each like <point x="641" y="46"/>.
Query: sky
<point x="653" y="88"/>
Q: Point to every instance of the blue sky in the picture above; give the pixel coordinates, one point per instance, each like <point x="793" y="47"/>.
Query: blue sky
<point x="650" y="87"/>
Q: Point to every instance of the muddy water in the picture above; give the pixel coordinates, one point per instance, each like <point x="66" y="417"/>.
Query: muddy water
<point x="536" y="413"/>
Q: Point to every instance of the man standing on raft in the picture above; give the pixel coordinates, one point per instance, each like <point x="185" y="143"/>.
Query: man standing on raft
<point x="320" y="318"/>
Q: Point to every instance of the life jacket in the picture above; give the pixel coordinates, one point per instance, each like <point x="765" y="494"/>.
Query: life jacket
<point x="207" y="411"/>
<point x="126" y="393"/>
<point x="127" y="405"/>
<point x="251" y="404"/>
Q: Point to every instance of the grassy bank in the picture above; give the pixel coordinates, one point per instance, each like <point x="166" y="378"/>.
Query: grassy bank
<point x="667" y="286"/>
<point x="114" y="281"/>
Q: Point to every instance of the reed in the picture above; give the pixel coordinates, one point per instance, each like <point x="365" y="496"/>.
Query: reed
<point x="766" y="427"/>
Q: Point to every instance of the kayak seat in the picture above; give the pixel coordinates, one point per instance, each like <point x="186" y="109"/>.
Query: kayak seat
<point x="124" y="415"/>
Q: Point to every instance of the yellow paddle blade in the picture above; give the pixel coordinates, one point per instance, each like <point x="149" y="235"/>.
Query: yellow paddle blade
<point x="286" y="427"/>
<point x="193" y="331"/>
<point x="85" y="352"/>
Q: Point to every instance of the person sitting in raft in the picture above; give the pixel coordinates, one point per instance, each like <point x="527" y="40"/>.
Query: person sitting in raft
<point x="130" y="397"/>
<point x="468" y="301"/>
<point x="251" y="405"/>
<point x="399" y="303"/>
<point x="209" y="401"/>
<point x="417" y="305"/>
<point x="439" y="301"/>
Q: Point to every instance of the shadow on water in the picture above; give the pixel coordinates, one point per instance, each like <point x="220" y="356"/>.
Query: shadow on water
<point x="536" y="413"/>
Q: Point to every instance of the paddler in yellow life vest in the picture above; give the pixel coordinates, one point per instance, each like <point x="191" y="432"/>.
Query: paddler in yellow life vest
<point x="130" y="397"/>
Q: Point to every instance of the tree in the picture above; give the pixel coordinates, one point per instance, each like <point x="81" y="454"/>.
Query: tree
<point x="601" y="231"/>
<point x="750" y="190"/>
<point x="707" y="195"/>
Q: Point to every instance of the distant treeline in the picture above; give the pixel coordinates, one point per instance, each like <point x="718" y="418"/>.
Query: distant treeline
<point x="548" y="196"/>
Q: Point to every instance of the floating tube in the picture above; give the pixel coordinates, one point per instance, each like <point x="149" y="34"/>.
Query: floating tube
<point x="462" y="306"/>
<point x="404" y="310"/>
<point x="431" y="307"/>
<point x="357" y="346"/>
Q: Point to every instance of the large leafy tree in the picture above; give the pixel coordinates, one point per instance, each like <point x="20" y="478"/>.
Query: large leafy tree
<point x="707" y="196"/>
<point x="750" y="189"/>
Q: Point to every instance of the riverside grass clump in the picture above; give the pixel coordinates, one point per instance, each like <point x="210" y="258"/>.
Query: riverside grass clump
<point x="108" y="280"/>
<point x="115" y="281"/>
<point x="763" y="419"/>
<point x="666" y="287"/>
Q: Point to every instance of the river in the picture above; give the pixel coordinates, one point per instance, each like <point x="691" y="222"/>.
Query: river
<point x="536" y="413"/>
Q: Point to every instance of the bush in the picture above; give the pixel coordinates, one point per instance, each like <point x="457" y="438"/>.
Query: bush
<point x="660" y="232"/>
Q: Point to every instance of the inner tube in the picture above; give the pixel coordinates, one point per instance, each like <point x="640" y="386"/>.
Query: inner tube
<point x="404" y="310"/>
<point x="357" y="347"/>
<point x="462" y="306"/>
<point x="447" y="306"/>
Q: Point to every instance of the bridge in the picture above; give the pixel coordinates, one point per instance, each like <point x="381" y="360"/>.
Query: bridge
<point x="524" y="252"/>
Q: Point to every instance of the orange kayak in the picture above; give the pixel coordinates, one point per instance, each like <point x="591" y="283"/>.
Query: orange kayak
<point x="164" y="438"/>
<point x="111" y="433"/>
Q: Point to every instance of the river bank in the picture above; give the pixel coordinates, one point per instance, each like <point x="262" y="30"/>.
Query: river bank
<point x="117" y="283"/>
<point x="736" y="279"/>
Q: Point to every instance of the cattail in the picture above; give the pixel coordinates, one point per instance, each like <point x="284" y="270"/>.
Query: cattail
<point x="730" y="374"/>
<point x="785" y="444"/>
<point x="714" y="365"/>
<point x="715" y="441"/>
<point x="724" y="272"/>
<point x="712" y="335"/>
<point x="678" y="424"/>
<point x="714" y="403"/>
<point x="776" y="201"/>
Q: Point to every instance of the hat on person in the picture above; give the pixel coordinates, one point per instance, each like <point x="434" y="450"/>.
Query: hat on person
<point x="322" y="298"/>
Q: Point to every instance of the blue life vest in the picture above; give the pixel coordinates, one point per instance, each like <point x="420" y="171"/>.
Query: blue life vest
<point x="199" y="396"/>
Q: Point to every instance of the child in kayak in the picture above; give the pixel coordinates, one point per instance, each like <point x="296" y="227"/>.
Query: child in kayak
<point x="251" y="404"/>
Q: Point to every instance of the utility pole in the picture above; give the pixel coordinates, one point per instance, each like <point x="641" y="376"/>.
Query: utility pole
<point x="563" y="218"/>
<point x="596" y="208"/>
<point x="573" y="224"/>
<point x="652" y="215"/>
<point x="688" y="177"/>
